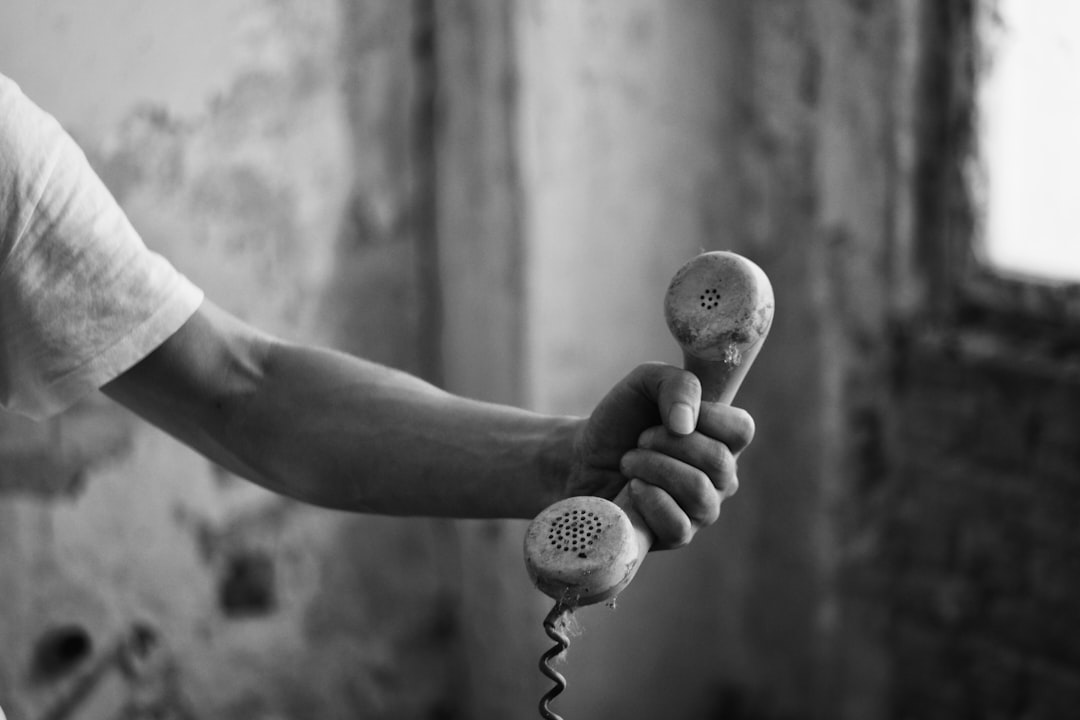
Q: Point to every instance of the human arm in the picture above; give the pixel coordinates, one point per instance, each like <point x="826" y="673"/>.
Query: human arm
<point x="338" y="431"/>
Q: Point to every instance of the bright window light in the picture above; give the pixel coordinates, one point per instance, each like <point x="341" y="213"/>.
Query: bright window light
<point x="1030" y="140"/>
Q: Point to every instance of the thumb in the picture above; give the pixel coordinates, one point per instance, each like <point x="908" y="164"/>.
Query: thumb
<point x="676" y="392"/>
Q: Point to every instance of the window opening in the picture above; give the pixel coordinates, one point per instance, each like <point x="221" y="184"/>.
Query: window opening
<point x="1029" y="133"/>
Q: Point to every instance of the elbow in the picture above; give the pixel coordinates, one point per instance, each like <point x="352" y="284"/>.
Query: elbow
<point x="238" y="412"/>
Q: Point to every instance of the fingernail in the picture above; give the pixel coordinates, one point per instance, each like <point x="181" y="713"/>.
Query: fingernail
<point x="681" y="419"/>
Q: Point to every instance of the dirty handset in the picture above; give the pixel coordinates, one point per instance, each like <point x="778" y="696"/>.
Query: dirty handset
<point x="719" y="308"/>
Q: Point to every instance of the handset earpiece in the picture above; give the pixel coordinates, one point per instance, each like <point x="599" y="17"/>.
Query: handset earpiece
<point x="719" y="308"/>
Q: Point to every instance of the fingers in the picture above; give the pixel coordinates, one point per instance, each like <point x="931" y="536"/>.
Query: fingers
<point x="730" y="425"/>
<point x="672" y="527"/>
<point x="685" y="462"/>
<point x="677" y="394"/>
<point x="680" y="499"/>
<point x="683" y="480"/>
<point x="670" y="459"/>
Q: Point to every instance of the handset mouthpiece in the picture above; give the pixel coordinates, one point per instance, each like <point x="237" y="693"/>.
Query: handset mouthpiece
<point x="581" y="551"/>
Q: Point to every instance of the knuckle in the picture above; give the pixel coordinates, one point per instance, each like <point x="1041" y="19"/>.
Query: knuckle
<point x="731" y="487"/>
<point x="748" y="426"/>
<point x="690" y="382"/>
<point x="686" y="533"/>
<point x="703" y="504"/>
<point x="672" y="526"/>
<point x="679" y="379"/>
<point x="734" y="426"/>
<point x="709" y="511"/>
<point x="722" y="466"/>
<point x="679" y="532"/>
<point x="744" y="427"/>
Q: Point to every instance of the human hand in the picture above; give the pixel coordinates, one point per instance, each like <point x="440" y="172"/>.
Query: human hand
<point x="678" y="453"/>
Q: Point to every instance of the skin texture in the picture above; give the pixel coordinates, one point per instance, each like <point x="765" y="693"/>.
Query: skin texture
<point x="341" y="432"/>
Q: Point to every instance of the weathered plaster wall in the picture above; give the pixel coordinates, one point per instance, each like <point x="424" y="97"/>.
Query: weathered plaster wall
<point x="266" y="148"/>
<point x="479" y="202"/>
<point x="966" y="583"/>
<point x="494" y="195"/>
<point x="628" y="170"/>
<point x="650" y="131"/>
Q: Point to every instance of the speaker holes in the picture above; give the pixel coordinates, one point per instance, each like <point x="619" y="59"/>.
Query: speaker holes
<point x="710" y="299"/>
<point x="575" y="531"/>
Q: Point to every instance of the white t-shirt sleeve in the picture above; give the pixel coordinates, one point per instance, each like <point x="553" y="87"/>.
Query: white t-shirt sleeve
<point x="81" y="297"/>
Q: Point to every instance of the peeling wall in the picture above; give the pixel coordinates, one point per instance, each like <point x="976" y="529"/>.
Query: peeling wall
<point x="265" y="148"/>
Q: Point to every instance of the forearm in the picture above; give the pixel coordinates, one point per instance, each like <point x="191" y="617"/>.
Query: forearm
<point x="338" y="431"/>
<point x="341" y="432"/>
